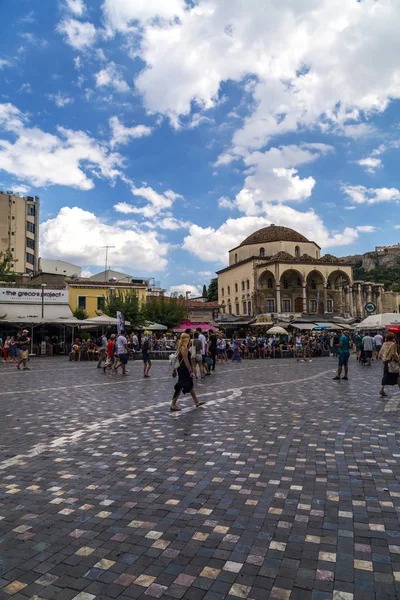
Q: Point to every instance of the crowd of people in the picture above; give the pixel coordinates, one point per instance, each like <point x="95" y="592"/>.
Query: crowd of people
<point x="15" y="349"/>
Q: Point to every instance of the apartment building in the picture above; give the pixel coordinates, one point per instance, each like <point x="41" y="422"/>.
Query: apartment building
<point x="19" y="230"/>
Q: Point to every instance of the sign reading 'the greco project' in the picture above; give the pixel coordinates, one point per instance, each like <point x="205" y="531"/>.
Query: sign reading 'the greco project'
<point x="33" y="296"/>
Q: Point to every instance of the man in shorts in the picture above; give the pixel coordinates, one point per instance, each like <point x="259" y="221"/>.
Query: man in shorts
<point x="368" y="347"/>
<point x="378" y="339"/>
<point x="122" y="352"/>
<point x="344" y="355"/>
<point x="23" y="344"/>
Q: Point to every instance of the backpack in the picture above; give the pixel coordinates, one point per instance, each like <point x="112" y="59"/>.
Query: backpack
<point x="175" y="362"/>
<point x="99" y="342"/>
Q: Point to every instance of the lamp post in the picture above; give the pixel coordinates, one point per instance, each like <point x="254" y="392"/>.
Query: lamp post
<point x="43" y="285"/>
<point x="187" y="306"/>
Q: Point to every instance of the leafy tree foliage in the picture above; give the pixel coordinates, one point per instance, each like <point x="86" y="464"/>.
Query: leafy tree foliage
<point x="6" y="270"/>
<point x="129" y="305"/>
<point x="167" y="311"/>
<point x="205" y="293"/>
<point x="212" y="292"/>
<point x="80" y="313"/>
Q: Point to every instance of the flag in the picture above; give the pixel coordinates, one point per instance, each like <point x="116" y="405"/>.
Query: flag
<point x="120" y="322"/>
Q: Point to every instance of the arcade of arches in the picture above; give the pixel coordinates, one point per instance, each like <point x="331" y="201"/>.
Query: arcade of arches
<point x="278" y="271"/>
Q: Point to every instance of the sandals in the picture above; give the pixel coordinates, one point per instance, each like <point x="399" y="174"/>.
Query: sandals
<point x="174" y="409"/>
<point x="200" y="403"/>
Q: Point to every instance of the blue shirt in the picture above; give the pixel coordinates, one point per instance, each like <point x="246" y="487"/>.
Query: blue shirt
<point x="344" y="340"/>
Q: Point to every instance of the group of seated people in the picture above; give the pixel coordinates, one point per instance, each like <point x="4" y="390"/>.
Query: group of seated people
<point x="84" y="350"/>
<point x="278" y="347"/>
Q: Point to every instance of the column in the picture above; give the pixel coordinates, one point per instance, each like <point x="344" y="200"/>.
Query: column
<point x="340" y="296"/>
<point x="379" y="300"/>
<point x="351" y="302"/>
<point x="325" y="297"/>
<point x="304" y="293"/>
<point x="346" y="300"/>
<point x="278" y="298"/>
<point x="369" y="293"/>
<point x="359" y="300"/>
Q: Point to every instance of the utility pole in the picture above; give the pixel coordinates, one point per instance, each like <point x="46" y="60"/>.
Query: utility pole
<point x="106" y="249"/>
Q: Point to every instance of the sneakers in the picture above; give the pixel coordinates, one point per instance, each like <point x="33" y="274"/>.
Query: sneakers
<point x="336" y="378"/>
<point x="345" y="378"/>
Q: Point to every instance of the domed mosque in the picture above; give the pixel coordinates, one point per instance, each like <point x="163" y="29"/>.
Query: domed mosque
<point x="277" y="271"/>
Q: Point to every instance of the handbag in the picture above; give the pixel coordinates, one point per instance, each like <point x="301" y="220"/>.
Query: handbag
<point x="192" y="350"/>
<point x="393" y="366"/>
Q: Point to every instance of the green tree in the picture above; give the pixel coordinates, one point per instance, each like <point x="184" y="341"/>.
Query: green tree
<point x="128" y="304"/>
<point x="80" y="313"/>
<point x="205" y="293"/>
<point x="389" y="276"/>
<point x="166" y="311"/>
<point x="6" y="266"/>
<point x="212" y="292"/>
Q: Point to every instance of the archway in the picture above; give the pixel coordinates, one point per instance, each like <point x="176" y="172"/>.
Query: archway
<point x="292" y="291"/>
<point x="315" y="292"/>
<point x="298" y="304"/>
<point x="339" y="284"/>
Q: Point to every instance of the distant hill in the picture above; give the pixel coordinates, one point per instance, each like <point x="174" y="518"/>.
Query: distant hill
<point x="379" y="267"/>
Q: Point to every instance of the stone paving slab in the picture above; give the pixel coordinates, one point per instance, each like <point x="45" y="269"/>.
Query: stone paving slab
<point x="285" y="485"/>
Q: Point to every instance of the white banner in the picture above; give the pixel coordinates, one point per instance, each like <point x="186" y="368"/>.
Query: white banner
<point x="120" y="322"/>
<point x="33" y="296"/>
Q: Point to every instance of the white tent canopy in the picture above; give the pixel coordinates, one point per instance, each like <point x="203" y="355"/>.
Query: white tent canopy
<point x="278" y="330"/>
<point x="379" y="321"/>
<point x="103" y="320"/>
<point x="154" y="327"/>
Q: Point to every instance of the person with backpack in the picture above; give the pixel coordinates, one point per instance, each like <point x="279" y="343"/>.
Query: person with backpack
<point x="102" y="347"/>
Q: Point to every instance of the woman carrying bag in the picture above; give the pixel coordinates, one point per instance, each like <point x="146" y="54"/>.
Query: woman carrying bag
<point x="390" y="358"/>
<point x="185" y="374"/>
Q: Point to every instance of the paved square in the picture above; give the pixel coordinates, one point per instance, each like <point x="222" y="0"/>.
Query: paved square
<point x="284" y="485"/>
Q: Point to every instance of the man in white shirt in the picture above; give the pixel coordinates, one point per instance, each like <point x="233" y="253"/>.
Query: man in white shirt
<point x="121" y="352"/>
<point x="378" y="339"/>
<point x="102" y="350"/>
<point x="135" y="342"/>
<point x="203" y="350"/>
<point x="368" y="346"/>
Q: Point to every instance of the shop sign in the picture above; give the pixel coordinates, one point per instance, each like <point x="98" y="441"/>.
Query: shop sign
<point x="33" y="296"/>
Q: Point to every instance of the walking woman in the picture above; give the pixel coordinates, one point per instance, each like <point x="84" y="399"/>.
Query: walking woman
<point x="390" y="358"/>
<point x="185" y="374"/>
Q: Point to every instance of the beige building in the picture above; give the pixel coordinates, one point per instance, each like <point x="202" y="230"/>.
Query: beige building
<point x="277" y="271"/>
<point x="19" y="230"/>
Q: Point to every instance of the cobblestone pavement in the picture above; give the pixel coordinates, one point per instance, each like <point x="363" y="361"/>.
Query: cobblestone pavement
<point x="283" y="486"/>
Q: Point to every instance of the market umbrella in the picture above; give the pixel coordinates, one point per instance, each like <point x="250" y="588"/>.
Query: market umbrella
<point x="277" y="329"/>
<point x="380" y="321"/>
<point x="155" y="327"/>
<point x="322" y="327"/>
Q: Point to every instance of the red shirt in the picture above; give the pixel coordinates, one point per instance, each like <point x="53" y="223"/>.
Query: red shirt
<point x="110" y="348"/>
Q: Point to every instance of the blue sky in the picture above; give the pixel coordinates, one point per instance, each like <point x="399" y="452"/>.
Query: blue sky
<point x="172" y="130"/>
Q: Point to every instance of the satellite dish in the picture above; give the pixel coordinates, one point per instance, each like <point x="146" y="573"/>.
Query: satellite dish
<point x="75" y="276"/>
<point x="113" y="279"/>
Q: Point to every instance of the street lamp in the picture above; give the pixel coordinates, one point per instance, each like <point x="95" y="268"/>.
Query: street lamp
<point x="43" y="285"/>
<point x="187" y="305"/>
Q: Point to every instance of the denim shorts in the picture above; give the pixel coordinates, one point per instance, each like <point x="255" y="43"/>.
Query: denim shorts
<point x="344" y="359"/>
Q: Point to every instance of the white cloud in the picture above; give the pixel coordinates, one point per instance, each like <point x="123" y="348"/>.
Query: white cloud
<point x="75" y="234"/>
<point x="359" y="194"/>
<point x="370" y="164"/>
<point x="69" y="158"/>
<point x="156" y="205"/>
<point x="350" y="208"/>
<point x="78" y="35"/>
<point x="225" y="202"/>
<point x="60" y="99"/>
<point x="366" y="228"/>
<point x="111" y="77"/>
<point x="181" y="289"/>
<point x="4" y="63"/>
<point x="171" y="224"/>
<point x="301" y="56"/>
<point x="212" y="244"/>
<point x="86" y="273"/>
<point x="397" y="226"/>
<point x="273" y="178"/>
<point x="77" y="7"/>
<point x="122" y="15"/>
<point x="122" y="135"/>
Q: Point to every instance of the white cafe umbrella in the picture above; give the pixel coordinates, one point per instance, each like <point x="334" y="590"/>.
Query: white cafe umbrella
<point x="379" y="321"/>
<point x="277" y="329"/>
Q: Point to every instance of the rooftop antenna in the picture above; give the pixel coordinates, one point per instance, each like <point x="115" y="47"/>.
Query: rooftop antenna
<point x="106" y="249"/>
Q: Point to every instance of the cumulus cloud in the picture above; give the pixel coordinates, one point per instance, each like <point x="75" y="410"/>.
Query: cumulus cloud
<point x="366" y="228"/>
<point x="121" y="134"/>
<point x="77" y="7"/>
<point x="60" y="99"/>
<point x="225" y="202"/>
<point x="156" y="205"/>
<point x="212" y="244"/>
<point x="370" y="164"/>
<point x="4" y="63"/>
<point x="111" y="77"/>
<point x="70" y="157"/>
<point x="80" y="35"/>
<point x="359" y="194"/>
<point x="183" y="288"/>
<point x="302" y="57"/>
<point x="75" y="233"/>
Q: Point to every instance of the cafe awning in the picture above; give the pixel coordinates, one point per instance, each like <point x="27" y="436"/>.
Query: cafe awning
<point x="25" y="313"/>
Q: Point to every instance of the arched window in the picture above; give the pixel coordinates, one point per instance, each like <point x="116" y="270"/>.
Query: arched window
<point x="229" y="290"/>
<point x="222" y="292"/>
<point x="262" y="252"/>
<point x="236" y="287"/>
<point x="313" y="284"/>
<point x="242" y="286"/>
<point x="248" y="284"/>
<point x="269" y="283"/>
<point x="297" y="252"/>
<point x="285" y="284"/>
<point x="249" y="308"/>
<point x="236" y="258"/>
<point x="230" y="309"/>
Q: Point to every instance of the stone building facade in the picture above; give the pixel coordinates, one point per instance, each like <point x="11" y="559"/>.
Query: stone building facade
<point x="278" y="271"/>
